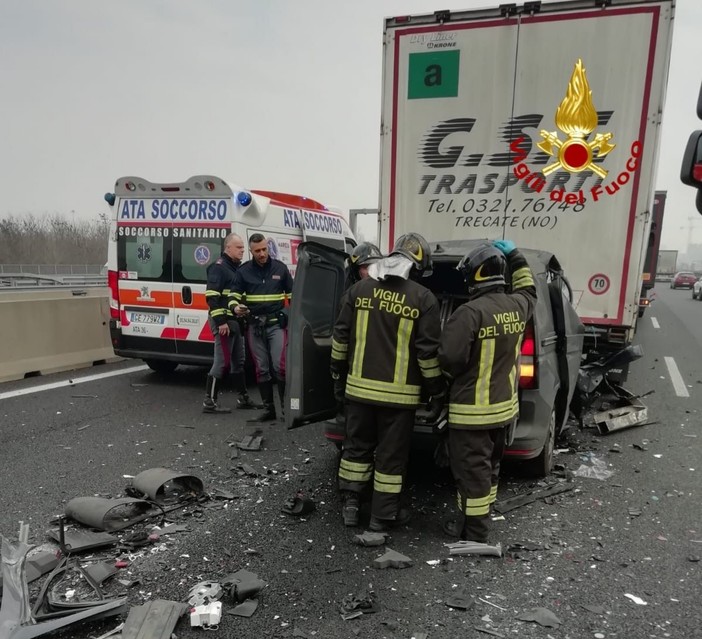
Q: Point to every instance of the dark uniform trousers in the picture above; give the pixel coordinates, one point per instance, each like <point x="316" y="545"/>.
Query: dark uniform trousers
<point x="387" y="432"/>
<point x="267" y="343"/>
<point x="229" y="350"/>
<point x="475" y="457"/>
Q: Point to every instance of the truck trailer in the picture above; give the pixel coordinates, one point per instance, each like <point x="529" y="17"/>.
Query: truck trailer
<point x="538" y="123"/>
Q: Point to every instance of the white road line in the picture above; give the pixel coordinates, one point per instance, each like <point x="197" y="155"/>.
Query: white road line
<point x="676" y="378"/>
<point x="655" y="323"/>
<point x="71" y="382"/>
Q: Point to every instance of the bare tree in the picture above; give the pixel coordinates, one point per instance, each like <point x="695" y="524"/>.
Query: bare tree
<point x="53" y="239"/>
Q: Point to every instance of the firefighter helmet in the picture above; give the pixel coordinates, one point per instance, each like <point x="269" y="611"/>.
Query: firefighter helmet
<point x="414" y="247"/>
<point x="483" y="267"/>
<point x="363" y="253"/>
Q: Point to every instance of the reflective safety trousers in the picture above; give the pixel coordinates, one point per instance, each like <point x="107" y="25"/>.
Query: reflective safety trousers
<point x="386" y="339"/>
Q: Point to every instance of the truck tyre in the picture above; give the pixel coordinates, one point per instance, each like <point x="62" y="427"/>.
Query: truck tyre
<point x="541" y="466"/>
<point x="161" y="365"/>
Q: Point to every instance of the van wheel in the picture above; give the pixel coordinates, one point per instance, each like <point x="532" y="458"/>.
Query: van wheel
<point x="161" y="365"/>
<point x="541" y="466"/>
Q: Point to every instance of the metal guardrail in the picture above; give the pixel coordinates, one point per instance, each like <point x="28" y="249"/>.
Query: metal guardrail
<point x="52" y="269"/>
<point x="15" y="281"/>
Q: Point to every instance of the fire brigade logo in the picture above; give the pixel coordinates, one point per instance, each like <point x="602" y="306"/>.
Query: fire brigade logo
<point x="577" y="118"/>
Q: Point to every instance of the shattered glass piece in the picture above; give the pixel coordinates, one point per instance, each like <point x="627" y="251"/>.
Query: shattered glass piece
<point x="542" y="616"/>
<point x="392" y="559"/>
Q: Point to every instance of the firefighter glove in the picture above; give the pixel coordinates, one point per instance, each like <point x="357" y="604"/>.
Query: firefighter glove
<point x="506" y="246"/>
<point x="339" y="389"/>
<point x="437" y="412"/>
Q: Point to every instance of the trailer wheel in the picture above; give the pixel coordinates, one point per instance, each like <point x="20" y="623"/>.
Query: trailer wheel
<point x="541" y="466"/>
<point x="161" y="365"/>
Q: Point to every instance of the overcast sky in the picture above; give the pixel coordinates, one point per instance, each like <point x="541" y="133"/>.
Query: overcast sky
<point x="272" y="94"/>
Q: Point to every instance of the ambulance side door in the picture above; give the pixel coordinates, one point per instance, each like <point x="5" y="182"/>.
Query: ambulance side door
<point x="317" y="291"/>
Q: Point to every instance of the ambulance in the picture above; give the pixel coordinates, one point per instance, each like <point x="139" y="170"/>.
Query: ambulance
<point x="164" y="236"/>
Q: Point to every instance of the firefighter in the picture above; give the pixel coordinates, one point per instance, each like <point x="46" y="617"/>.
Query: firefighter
<point x="384" y="349"/>
<point x="479" y="353"/>
<point x="362" y="256"/>
<point x="261" y="291"/>
<point x="229" y="349"/>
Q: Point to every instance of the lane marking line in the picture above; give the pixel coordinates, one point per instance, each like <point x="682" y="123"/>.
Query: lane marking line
<point x="71" y="382"/>
<point x="676" y="378"/>
<point x="655" y="323"/>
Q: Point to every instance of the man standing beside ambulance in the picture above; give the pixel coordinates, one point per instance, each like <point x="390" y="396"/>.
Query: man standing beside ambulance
<point x="229" y="349"/>
<point x="261" y="291"/>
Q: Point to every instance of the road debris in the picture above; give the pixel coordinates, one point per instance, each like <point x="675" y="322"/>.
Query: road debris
<point x="243" y="585"/>
<point x="593" y="468"/>
<point x="153" y="620"/>
<point x="542" y="616"/>
<point x="392" y="559"/>
<point x="251" y="442"/>
<point x="487" y="631"/>
<point x="506" y="505"/>
<point x="637" y="600"/>
<point x="460" y="600"/>
<point x="474" y="548"/>
<point x="298" y="506"/>
<point x="627" y="412"/>
<point x="371" y="538"/>
<point x="161" y="484"/>
<point x="353" y="606"/>
<point x="206" y="616"/>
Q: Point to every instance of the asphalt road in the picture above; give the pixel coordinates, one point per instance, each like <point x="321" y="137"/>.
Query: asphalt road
<point x="636" y="532"/>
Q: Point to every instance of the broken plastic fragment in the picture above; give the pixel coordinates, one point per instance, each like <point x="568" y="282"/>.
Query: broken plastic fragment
<point x="474" y="548"/>
<point x="107" y="514"/>
<point x="392" y="559"/>
<point x="636" y="600"/>
<point x="244" y="609"/>
<point x="542" y="616"/>
<point x="371" y="538"/>
<point x="162" y="483"/>
<point x="204" y="592"/>
<point x="461" y="600"/>
<point x="153" y="620"/>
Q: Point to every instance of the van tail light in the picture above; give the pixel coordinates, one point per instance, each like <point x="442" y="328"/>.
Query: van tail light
<point x="527" y="360"/>
<point x="113" y="284"/>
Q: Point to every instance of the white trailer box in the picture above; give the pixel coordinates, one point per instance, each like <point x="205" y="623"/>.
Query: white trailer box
<point x="536" y="123"/>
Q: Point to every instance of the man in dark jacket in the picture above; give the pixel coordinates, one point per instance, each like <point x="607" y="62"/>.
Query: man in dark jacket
<point x="479" y="353"/>
<point x="261" y="292"/>
<point x="384" y="350"/>
<point x="229" y="349"/>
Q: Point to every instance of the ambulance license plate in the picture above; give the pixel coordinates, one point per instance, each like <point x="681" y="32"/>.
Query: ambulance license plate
<point x="147" y="318"/>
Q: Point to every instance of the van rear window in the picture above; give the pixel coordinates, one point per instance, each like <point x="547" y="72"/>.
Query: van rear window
<point x="195" y="256"/>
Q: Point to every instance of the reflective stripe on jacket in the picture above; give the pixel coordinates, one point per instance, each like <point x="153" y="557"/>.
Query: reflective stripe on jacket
<point x="220" y="278"/>
<point x="264" y="289"/>
<point x="386" y="339"/>
<point x="479" y="351"/>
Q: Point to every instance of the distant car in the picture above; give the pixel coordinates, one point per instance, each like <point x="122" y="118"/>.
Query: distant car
<point x="697" y="290"/>
<point x="550" y="361"/>
<point x="683" y="279"/>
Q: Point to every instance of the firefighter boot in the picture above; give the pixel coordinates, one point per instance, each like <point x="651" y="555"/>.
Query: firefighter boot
<point x="268" y="414"/>
<point x="350" y="510"/>
<point x="209" y="404"/>
<point x="244" y="400"/>
<point x="281" y="394"/>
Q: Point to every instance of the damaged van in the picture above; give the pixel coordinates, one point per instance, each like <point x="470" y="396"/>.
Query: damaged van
<point x="550" y="354"/>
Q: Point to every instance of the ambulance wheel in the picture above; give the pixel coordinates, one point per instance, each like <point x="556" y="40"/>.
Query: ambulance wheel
<point x="161" y="365"/>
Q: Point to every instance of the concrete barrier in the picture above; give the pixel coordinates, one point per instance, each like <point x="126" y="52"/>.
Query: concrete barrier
<point x="49" y="331"/>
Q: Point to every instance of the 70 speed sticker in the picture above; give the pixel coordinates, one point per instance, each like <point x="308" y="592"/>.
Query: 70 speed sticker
<point x="598" y="284"/>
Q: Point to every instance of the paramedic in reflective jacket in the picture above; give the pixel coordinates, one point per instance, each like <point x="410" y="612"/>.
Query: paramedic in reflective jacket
<point x="229" y="349"/>
<point x="384" y="349"/>
<point x="479" y="353"/>
<point x="262" y="290"/>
